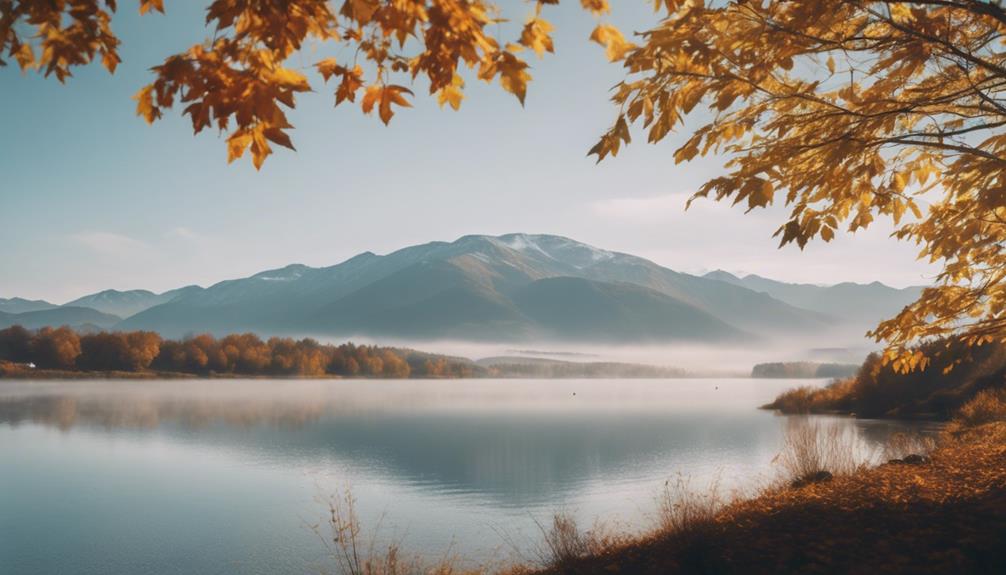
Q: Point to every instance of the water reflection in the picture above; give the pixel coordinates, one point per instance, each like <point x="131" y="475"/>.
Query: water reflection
<point x="521" y="443"/>
<point x="476" y="455"/>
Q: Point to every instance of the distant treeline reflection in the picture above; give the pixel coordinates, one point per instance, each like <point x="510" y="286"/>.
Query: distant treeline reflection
<point x="64" y="411"/>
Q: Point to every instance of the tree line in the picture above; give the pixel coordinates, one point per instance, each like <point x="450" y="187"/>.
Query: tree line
<point x="957" y="373"/>
<point x="241" y="354"/>
<point x="804" y="369"/>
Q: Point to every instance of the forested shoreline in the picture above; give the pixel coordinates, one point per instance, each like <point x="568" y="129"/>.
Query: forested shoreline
<point x="954" y="374"/>
<point x="64" y="352"/>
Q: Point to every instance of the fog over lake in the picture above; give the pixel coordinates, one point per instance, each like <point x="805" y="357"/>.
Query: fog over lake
<point x="217" y="476"/>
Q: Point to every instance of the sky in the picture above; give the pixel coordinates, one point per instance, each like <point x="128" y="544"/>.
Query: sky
<point x="91" y="197"/>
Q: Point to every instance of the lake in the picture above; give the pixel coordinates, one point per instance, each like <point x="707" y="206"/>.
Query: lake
<point x="228" y="476"/>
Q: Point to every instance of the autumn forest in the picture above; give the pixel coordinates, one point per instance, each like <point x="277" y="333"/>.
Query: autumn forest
<point x="245" y="354"/>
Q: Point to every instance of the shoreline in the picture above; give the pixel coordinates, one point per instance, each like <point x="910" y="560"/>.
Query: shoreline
<point x="945" y="513"/>
<point x="45" y="374"/>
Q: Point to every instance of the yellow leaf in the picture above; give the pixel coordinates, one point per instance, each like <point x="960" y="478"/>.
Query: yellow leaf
<point x="110" y="60"/>
<point x="614" y="43"/>
<point x="535" y="36"/>
<point x="327" y="68"/>
<point x="384" y="97"/>
<point x="237" y="143"/>
<point x="278" y="136"/>
<point x="147" y="5"/>
<point x="513" y="75"/>
<point x="597" y="7"/>
<point x="290" y="79"/>
<point x="899" y="181"/>
<point x="259" y="147"/>
<point x="370" y="97"/>
<point x="452" y="94"/>
<point x="352" y="80"/>
<point x="145" y="104"/>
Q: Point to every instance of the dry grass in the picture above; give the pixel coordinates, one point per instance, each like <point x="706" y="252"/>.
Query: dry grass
<point x="814" y="451"/>
<point x="901" y="445"/>
<point x="687" y="518"/>
<point x="987" y="406"/>
<point x="682" y="510"/>
<point x="564" y="543"/>
<point x="355" y="554"/>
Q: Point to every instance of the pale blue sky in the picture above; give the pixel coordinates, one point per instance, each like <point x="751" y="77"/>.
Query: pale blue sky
<point x="92" y="198"/>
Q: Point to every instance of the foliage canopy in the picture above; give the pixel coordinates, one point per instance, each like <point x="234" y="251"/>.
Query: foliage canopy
<point x="241" y="82"/>
<point x="845" y="110"/>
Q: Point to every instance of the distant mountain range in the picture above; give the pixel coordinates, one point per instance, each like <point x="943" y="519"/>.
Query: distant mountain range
<point x="77" y="317"/>
<point x="127" y="303"/>
<point x="21" y="305"/>
<point x="856" y="302"/>
<point x="515" y="287"/>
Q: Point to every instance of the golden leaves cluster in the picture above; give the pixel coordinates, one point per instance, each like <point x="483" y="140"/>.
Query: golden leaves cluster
<point x="67" y="33"/>
<point x="846" y="111"/>
<point x="243" y="81"/>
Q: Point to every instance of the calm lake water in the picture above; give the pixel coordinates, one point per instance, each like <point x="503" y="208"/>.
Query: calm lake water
<point x="225" y="476"/>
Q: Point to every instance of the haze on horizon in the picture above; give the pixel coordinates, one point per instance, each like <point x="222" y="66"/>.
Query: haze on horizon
<point x="133" y="206"/>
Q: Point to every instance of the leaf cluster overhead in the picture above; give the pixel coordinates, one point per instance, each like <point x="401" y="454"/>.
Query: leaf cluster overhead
<point x="243" y="80"/>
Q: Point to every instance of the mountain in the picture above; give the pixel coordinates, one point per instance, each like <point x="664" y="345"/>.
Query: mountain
<point x="127" y="303"/>
<point x="575" y="308"/>
<point x="75" y="317"/>
<point x="859" y="303"/>
<point x="510" y="287"/>
<point x="21" y="305"/>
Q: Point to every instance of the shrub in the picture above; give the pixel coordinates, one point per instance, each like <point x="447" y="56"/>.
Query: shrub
<point x="682" y="510"/>
<point x="807" y="399"/>
<point x="564" y="543"/>
<point x="986" y="406"/>
<point x="814" y="450"/>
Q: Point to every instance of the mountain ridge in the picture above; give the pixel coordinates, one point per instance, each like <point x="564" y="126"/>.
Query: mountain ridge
<point x="467" y="289"/>
<point x="84" y="318"/>
<point x="870" y="302"/>
<point x="511" y="287"/>
<point x="16" y="305"/>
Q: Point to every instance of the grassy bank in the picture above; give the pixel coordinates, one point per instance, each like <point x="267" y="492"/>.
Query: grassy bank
<point x="944" y="514"/>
